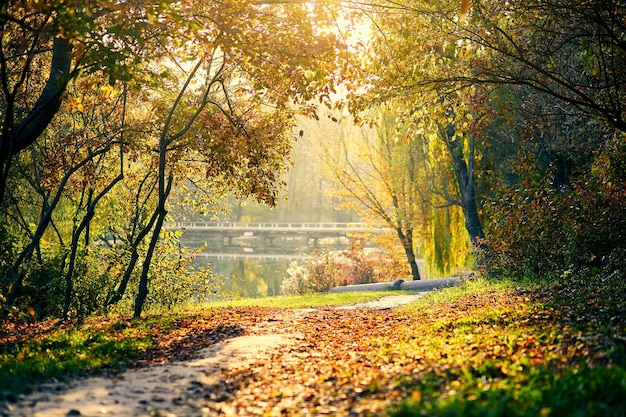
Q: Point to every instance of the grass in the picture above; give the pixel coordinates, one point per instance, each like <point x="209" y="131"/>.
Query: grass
<point x="56" y="350"/>
<point x="472" y="288"/>
<point x="514" y="348"/>
<point x="583" y="392"/>
<point x="482" y="348"/>
<point x="537" y="391"/>
<point x="299" y="301"/>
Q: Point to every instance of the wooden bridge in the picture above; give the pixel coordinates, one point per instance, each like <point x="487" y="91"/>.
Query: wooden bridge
<point x="225" y="256"/>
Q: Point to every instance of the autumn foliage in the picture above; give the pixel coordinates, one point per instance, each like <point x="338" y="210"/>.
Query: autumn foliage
<point x="540" y="229"/>
<point x="144" y="101"/>
<point x="330" y="269"/>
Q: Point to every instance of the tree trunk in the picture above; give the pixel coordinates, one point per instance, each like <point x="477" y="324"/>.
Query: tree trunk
<point x="120" y="289"/>
<point x="161" y="213"/>
<point x="142" y="294"/>
<point x="467" y="187"/>
<point x="44" y="221"/>
<point x="84" y="225"/>
<point x="466" y="180"/>
<point x="407" y="244"/>
<point x="15" y="140"/>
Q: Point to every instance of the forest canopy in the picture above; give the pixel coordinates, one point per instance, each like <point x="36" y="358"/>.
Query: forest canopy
<point x="520" y="106"/>
<point x="109" y="106"/>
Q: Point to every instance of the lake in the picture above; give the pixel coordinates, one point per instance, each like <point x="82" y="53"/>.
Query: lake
<point x="251" y="266"/>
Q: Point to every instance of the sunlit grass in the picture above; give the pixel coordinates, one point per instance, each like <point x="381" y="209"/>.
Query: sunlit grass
<point x="114" y="342"/>
<point x="470" y="287"/>
<point x="66" y="350"/>
<point x="298" y="301"/>
<point x="481" y="348"/>
<point x="537" y="391"/>
<point x="515" y="348"/>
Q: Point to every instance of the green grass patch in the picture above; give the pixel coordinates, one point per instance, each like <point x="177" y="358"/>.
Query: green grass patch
<point x="103" y="343"/>
<point x="59" y="351"/>
<point x="537" y="391"/>
<point x="482" y="348"/>
<point x="472" y="287"/>
<point x="518" y="348"/>
<point x="300" y="301"/>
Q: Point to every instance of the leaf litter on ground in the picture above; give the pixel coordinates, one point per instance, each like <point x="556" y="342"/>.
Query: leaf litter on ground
<point x="504" y="344"/>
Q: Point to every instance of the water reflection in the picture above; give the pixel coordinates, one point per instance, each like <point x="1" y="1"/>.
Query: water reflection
<point x="251" y="278"/>
<point x="253" y="266"/>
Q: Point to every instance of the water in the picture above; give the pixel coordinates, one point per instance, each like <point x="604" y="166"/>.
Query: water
<point x="253" y="266"/>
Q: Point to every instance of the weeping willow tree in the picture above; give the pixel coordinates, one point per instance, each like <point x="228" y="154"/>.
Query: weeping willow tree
<point x="387" y="173"/>
<point x="446" y="248"/>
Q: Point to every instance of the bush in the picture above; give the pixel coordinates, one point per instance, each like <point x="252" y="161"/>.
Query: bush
<point x="99" y="268"/>
<point x="297" y="282"/>
<point x="8" y="245"/>
<point x="538" y="228"/>
<point x="8" y="248"/>
<point x="173" y="279"/>
<point x="329" y="269"/>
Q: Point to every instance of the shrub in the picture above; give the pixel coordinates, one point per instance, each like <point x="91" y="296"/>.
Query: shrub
<point x="329" y="269"/>
<point x="538" y="228"/>
<point x="324" y="270"/>
<point x="297" y="281"/>
<point x="8" y="247"/>
<point x="173" y="278"/>
<point x="358" y="267"/>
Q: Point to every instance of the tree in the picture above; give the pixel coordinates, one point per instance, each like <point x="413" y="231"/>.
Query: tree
<point x="241" y="142"/>
<point x="382" y="176"/>
<point x="227" y="127"/>
<point x="86" y="37"/>
<point x="56" y="186"/>
<point x="572" y="50"/>
<point x="459" y="138"/>
<point x="410" y="46"/>
<point x="562" y="62"/>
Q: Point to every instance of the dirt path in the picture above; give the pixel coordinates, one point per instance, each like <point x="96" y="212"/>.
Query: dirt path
<point x="173" y="389"/>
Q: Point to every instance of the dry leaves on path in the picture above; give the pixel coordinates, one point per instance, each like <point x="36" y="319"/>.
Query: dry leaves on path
<point x="330" y="369"/>
<point x="362" y="362"/>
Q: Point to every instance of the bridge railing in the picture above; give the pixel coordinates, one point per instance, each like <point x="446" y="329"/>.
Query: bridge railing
<point x="266" y="225"/>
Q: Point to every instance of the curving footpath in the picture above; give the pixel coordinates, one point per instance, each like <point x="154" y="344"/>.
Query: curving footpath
<point x="178" y="389"/>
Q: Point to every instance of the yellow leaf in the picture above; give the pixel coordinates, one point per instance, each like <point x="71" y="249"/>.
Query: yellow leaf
<point x="465" y="5"/>
<point x="545" y="411"/>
